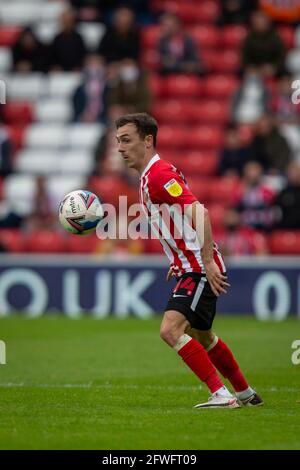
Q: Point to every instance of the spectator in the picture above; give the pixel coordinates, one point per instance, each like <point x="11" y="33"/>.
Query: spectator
<point x="95" y="10"/>
<point x="269" y="147"/>
<point x="254" y="200"/>
<point x="282" y="107"/>
<point x="43" y="208"/>
<point x="9" y="218"/>
<point x="68" y="49"/>
<point x="251" y="99"/>
<point x="131" y="90"/>
<point x="121" y="40"/>
<point x="29" y="54"/>
<point x="178" y="53"/>
<point x="236" y="11"/>
<point x="234" y="155"/>
<point x="90" y="98"/>
<point x="6" y="166"/>
<point x="263" y="46"/>
<point x="87" y="10"/>
<point x="236" y="240"/>
<point x="288" y="200"/>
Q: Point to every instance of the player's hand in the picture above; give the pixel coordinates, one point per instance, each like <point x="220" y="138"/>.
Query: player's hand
<point x="217" y="280"/>
<point x="170" y="275"/>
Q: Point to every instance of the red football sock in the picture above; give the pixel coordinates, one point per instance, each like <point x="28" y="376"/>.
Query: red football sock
<point x="195" y="356"/>
<point x="223" y="359"/>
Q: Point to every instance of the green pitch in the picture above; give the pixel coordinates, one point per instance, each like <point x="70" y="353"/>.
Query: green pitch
<point x="113" y="384"/>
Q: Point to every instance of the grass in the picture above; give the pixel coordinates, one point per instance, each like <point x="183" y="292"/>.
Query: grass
<point x="113" y="384"/>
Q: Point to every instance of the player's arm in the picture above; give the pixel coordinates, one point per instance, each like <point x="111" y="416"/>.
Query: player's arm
<point x="201" y="223"/>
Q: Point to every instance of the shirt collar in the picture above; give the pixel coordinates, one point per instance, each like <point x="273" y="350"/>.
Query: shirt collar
<point x="153" y="160"/>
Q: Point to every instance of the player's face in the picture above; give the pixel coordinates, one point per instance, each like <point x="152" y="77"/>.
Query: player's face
<point x="131" y="146"/>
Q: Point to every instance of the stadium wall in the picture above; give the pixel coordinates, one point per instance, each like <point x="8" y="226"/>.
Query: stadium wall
<point x="268" y="288"/>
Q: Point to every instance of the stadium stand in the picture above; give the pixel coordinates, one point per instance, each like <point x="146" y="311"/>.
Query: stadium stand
<point x="193" y="113"/>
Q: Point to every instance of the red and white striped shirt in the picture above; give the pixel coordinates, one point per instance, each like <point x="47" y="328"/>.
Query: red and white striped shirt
<point x="164" y="195"/>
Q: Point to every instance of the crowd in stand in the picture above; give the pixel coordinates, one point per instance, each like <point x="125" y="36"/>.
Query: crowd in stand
<point x="116" y="79"/>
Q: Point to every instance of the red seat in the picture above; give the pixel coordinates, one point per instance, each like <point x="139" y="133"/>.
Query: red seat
<point x="220" y="86"/>
<point x="18" y="113"/>
<point x="184" y="10"/>
<point x="44" y="241"/>
<point x="182" y="86"/>
<point x="150" y="60"/>
<point x="12" y="240"/>
<point x="205" y="36"/>
<point x="172" y="156"/>
<point x="9" y="35"/>
<point x="205" y="137"/>
<point x="150" y="36"/>
<point x="211" y="112"/>
<point x="200" y="188"/>
<point x="222" y="189"/>
<point x="202" y="163"/>
<point x="225" y="61"/>
<point x="287" y="34"/>
<point x="179" y="111"/>
<point x="207" y="57"/>
<point x="285" y="242"/>
<point x="157" y="85"/>
<point x="175" y="157"/>
<point x="216" y="214"/>
<point x="108" y="188"/>
<point x="233" y="36"/>
<point x="172" y="137"/>
<point x="174" y="112"/>
<point x="205" y="11"/>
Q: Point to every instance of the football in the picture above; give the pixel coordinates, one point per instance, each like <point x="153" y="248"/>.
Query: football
<point x="80" y="212"/>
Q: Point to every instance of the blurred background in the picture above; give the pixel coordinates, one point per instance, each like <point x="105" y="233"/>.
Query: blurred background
<point x="217" y="75"/>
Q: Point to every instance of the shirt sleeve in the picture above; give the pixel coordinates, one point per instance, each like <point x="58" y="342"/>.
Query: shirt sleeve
<point x="169" y="187"/>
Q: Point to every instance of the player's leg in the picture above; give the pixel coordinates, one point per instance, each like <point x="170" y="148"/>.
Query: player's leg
<point x="224" y="361"/>
<point x="172" y="331"/>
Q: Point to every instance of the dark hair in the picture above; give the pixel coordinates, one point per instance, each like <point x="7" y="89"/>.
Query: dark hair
<point x="145" y="124"/>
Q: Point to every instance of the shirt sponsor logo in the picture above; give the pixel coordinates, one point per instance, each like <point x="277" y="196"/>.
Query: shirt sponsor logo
<point x="173" y="188"/>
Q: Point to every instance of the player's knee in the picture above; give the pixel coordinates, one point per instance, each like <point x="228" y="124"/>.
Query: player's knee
<point x="165" y="334"/>
<point x="170" y="334"/>
<point x="206" y="339"/>
<point x="206" y="343"/>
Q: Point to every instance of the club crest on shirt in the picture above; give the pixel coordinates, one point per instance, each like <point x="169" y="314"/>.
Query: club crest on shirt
<point x="173" y="188"/>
